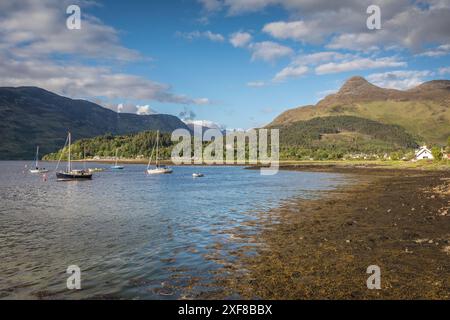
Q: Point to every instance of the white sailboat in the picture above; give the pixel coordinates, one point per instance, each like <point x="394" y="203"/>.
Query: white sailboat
<point x="159" y="169"/>
<point x="116" y="166"/>
<point x="36" y="167"/>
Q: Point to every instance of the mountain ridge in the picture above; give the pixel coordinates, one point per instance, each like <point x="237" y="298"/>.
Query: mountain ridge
<point x="423" y="111"/>
<point x="34" y="116"/>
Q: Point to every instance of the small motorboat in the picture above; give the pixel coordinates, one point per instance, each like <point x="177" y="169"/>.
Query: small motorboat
<point x="197" y="175"/>
<point x="93" y="170"/>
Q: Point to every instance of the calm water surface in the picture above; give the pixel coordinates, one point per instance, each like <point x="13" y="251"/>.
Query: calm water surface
<point x="132" y="235"/>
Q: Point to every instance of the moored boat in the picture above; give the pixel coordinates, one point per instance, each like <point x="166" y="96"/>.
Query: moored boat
<point x="197" y="175"/>
<point x="159" y="169"/>
<point x="70" y="174"/>
<point x="116" y="166"/>
<point x="36" y="167"/>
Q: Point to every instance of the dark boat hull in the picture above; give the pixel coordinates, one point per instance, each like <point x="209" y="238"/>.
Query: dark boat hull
<point x="61" y="176"/>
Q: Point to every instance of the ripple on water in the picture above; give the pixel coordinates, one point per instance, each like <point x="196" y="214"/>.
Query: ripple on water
<point x="132" y="235"/>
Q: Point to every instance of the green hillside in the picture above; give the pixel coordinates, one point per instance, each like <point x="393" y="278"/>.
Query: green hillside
<point x="334" y="137"/>
<point x="128" y="146"/>
<point x="423" y="111"/>
<point x="32" y="116"/>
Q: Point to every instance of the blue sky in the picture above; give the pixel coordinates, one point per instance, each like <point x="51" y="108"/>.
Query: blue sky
<point x="238" y="63"/>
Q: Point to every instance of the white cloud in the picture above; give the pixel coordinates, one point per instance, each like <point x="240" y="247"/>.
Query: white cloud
<point x="401" y="80"/>
<point x="358" y="64"/>
<point x="240" y="39"/>
<point x="256" y="84"/>
<point x="86" y="81"/>
<point x="269" y="51"/>
<point x="301" y="64"/>
<point x="295" y="30"/>
<point x="322" y="94"/>
<point x="442" y="50"/>
<point x="215" y="37"/>
<point x="291" y="72"/>
<point x="211" y="5"/>
<point x="444" y="70"/>
<point x="33" y="35"/>
<point x="38" y="28"/>
<point x="411" y="27"/>
<point x="144" y="110"/>
<point x="342" y="24"/>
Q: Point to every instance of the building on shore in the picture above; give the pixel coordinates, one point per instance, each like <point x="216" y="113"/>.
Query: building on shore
<point x="423" y="154"/>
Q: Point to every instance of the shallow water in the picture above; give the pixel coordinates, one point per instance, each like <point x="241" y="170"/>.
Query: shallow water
<point x="132" y="235"/>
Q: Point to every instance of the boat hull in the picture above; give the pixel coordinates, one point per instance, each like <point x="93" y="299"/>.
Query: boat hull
<point x="38" y="171"/>
<point x="159" y="171"/>
<point x="63" y="176"/>
<point x="117" y="168"/>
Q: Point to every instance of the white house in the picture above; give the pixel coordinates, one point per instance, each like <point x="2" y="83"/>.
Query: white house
<point x="423" y="154"/>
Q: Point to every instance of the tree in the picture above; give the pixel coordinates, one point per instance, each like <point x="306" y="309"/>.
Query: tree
<point x="395" y="156"/>
<point x="437" y="154"/>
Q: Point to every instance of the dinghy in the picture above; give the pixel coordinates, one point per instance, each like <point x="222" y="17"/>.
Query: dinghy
<point x="198" y="175"/>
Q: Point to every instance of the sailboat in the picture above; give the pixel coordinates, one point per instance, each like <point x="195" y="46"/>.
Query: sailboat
<point x="70" y="174"/>
<point x="159" y="169"/>
<point x="36" y="167"/>
<point x="116" y="166"/>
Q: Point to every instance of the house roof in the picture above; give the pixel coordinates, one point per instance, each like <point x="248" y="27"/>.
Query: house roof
<point x="423" y="150"/>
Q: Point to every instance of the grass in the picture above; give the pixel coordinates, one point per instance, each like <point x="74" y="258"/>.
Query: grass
<point x="385" y="164"/>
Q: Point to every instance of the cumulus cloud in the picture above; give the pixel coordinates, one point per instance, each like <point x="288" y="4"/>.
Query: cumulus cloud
<point x="144" y="110"/>
<point x="86" y="81"/>
<point x="215" y="37"/>
<point x="130" y="108"/>
<point x="401" y="80"/>
<point x="291" y="72"/>
<point x="38" y="28"/>
<point x="359" y="64"/>
<point x="240" y="39"/>
<point x="269" y="51"/>
<point x="32" y="37"/>
<point x="342" y="24"/>
<point x="439" y="51"/>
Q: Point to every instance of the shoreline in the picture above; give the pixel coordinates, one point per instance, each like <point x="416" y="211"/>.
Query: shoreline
<point x="320" y="249"/>
<point x="311" y="166"/>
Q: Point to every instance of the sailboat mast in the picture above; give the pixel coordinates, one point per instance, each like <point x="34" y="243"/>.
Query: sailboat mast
<point x="68" y="164"/>
<point x="157" y="148"/>
<point x="117" y="150"/>
<point x="37" y="156"/>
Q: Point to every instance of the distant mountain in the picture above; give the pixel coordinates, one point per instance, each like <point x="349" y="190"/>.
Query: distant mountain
<point x="31" y="116"/>
<point x="424" y="111"/>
